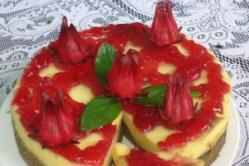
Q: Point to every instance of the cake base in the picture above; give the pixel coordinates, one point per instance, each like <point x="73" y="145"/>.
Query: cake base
<point x="211" y="155"/>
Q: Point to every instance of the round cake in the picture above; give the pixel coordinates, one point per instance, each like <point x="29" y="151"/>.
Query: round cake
<point x="172" y="94"/>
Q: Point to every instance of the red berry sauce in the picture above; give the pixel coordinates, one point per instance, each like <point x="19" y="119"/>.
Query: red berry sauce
<point x="32" y="86"/>
<point x="141" y="158"/>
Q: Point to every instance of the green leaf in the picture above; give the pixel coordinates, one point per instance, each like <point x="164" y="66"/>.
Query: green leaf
<point x="99" y="111"/>
<point x="195" y="93"/>
<point x="104" y="61"/>
<point x="154" y="96"/>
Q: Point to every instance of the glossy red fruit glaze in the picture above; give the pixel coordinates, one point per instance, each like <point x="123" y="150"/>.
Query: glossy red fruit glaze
<point x="138" y="157"/>
<point x="124" y="79"/>
<point x="93" y="155"/>
<point x="164" y="30"/>
<point x="32" y="86"/>
<point x="145" y="118"/>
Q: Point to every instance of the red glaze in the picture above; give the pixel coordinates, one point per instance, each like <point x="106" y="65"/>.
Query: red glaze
<point x="32" y="86"/>
<point x="93" y="155"/>
<point x="138" y="157"/>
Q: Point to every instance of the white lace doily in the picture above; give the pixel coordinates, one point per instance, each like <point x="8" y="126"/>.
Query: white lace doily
<point x="221" y="25"/>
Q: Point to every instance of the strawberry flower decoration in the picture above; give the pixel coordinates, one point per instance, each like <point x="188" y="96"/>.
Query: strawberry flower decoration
<point x="57" y="124"/>
<point x="69" y="46"/>
<point x="178" y="102"/>
<point x="164" y="29"/>
<point x="124" y="79"/>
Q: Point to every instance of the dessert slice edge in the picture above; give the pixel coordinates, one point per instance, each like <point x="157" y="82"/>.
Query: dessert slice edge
<point x="121" y="152"/>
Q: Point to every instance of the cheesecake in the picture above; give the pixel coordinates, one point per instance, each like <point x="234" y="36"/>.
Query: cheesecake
<point x="172" y="94"/>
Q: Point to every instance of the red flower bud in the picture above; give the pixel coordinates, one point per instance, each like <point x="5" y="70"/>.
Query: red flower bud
<point x="57" y="124"/>
<point x="164" y="29"/>
<point x="124" y="79"/>
<point x="178" y="105"/>
<point x="69" y="46"/>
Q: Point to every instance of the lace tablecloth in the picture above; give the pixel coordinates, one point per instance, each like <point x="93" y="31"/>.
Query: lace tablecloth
<point x="221" y="25"/>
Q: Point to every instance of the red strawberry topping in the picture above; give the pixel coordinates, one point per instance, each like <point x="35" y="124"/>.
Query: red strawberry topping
<point x="69" y="46"/>
<point x="124" y="79"/>
<point x="57" y="124"/>
<point x="178" y="101"/>
<point x="164" y="29"/>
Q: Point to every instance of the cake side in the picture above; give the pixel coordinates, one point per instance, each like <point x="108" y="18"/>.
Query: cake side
<point x="123" y="156"/>
<point x="210" y="156"/>
<point x="32" y="150"/>
<point x="27" y="155"/>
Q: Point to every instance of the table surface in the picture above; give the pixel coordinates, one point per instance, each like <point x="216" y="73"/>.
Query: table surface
<point x="220" y="25"/>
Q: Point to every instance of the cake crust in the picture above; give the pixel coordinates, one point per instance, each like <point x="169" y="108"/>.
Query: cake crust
<point x="212" y="155"/>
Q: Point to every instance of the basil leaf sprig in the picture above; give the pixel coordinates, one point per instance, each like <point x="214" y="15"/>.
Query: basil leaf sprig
<point x="104" y="61"/>
<point x="154" y="96"/>
<point x="100" y="111"/>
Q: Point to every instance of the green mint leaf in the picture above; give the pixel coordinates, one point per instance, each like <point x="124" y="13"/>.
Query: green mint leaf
<point x="195" y="93"/>
<point x="99" y="111"/>
<point x="154" y="96"/>
<point x="104" y="61"/>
